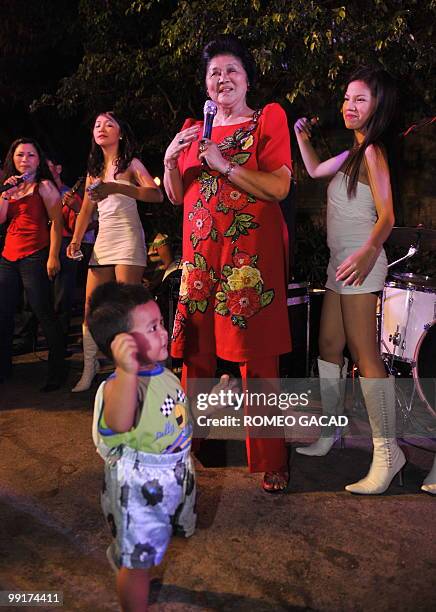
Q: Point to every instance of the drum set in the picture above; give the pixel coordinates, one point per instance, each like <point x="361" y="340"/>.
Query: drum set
<point x="407" y="329"/>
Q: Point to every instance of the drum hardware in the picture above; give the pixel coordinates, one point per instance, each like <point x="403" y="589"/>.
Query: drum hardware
<point x="296" y="363"/>
<point x="396" y="338"/>
<point x="412" y="251"/>
<point x="408" y="337"/>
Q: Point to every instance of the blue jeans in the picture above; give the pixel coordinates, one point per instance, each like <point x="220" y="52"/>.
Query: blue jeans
<point x="31" y="273"/>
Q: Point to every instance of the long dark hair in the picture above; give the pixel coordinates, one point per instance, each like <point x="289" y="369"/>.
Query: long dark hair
<point x="126" y="149"/>
<point x="9" y="169"/>
<point x="381" y="127"/>
<point x="227" y="44"/>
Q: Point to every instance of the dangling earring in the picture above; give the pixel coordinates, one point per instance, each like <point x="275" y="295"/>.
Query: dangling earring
<point x="121" y="137"/>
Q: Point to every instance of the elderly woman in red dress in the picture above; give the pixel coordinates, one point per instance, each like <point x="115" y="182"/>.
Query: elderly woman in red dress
<point x="233" y="292"/>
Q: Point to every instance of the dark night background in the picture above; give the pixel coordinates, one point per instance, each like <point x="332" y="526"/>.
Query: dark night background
<point x="62" y="62"/>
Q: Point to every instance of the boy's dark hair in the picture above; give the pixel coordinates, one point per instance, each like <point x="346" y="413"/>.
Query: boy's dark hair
<point x="110" y="306"/>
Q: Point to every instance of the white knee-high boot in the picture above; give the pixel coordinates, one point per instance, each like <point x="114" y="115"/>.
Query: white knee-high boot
<point x="332" y="381"/>
<point x="90" y="362"/>
<point x="429" y="484"/>
<point x="388" y="458"/>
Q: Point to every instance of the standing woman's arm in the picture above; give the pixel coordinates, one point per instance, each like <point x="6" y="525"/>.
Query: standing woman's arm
<point x="5" y="196"/>
<point x="4" y="205"/>
<point x="83" y="219"/>
<point x="145" y="189"/>
<point x="173" y="181"/>
<point x="314" y="166"/>
<point x="272" y="178"/>
<point x="52" y="202"/>
<point x="356" y="268"/>
<point x="380" y="183"/>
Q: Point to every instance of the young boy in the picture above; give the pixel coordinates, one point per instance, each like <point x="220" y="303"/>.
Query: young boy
<point x="142" y="430"/>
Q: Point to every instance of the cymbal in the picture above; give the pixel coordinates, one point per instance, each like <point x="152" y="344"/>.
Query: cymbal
<point x="406" y="236"/>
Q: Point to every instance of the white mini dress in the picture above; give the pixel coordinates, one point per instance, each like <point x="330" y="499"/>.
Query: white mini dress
<point x="349" y="224"/>
<point x="120" y="238"/>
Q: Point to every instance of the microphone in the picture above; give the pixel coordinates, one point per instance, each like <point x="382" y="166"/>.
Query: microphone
<point x="209" y="111"/>
<point x="24" y="177"/>
<point x="323" y="118"/>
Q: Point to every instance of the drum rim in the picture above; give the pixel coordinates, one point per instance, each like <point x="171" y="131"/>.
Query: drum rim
<point x="398" y="275"/>
<point x="415" y="367"/>
<point x="408" y="287"/>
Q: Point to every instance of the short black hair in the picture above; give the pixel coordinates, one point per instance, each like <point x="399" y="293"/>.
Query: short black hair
<point x="110" y="306"/>
<point x="227" y="44"/>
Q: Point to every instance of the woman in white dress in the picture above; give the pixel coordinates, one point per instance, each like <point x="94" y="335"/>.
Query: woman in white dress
<point x="359" y="219"/>
<point x="115" y="180"/>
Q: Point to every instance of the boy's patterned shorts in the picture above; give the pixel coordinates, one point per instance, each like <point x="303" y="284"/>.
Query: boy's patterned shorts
<point x="145" y="499"/>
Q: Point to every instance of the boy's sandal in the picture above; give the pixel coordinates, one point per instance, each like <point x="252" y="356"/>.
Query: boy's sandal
<point x="275" y="482"/>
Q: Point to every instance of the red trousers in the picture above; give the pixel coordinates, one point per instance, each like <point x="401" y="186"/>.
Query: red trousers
<point x="263" y="454"/>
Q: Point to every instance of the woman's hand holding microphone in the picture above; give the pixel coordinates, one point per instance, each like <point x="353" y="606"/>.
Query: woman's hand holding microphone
<point x="303" y="127"/>
<point x="212" y="156"/>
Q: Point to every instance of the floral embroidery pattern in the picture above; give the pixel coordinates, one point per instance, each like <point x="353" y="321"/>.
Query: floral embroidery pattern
<point x="243" y="304"/>
<point x="242" y="138"/>
<point x="242" y="292"/>
<point x="202" y="224"/>
<point x="196" y="284"/>
<point x="208" y="184"/>
<point x="240" y="225"/>
<point x="179" y="324"/>
<point x="232" y="199"/>
<point x="241" y="258"/>
<point x="244" y="277"/>
<point x="234" y="148"/>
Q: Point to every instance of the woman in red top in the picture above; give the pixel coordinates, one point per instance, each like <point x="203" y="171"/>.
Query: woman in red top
<point x="31" y="252"/>
<point x="232" y="297"/>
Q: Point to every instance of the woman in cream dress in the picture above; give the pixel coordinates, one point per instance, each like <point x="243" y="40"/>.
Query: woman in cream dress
<point x="359" y="219"/>
<point x="115" y="180"/>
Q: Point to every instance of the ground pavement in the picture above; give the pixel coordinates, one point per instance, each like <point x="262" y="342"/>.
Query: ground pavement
<point x="316" y="548"/>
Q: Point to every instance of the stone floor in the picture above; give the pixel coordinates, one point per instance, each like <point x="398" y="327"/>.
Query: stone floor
<point x="316" y="548"/>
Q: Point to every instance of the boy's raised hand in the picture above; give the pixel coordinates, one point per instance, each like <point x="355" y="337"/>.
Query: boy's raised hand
<point x="125" y="353"/>
<point x="226" y="383"/>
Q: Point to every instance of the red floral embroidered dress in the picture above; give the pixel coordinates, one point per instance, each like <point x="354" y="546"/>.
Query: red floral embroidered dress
<point x="233" y="290"/>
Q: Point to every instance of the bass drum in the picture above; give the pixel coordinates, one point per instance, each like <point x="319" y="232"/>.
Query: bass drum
<point x="424" y="368"/>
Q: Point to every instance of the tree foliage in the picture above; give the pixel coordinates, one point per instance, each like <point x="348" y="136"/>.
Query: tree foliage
<point x="35" y="49"/>
<point x="142" y="57"/>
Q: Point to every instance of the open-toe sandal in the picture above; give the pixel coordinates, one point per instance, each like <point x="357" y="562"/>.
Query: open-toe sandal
<point x="275" y="482"/>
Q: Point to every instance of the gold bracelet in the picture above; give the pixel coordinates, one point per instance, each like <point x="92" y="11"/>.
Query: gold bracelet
<point x="229" y="170"/>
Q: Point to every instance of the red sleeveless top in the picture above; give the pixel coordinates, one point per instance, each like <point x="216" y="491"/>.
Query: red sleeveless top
<point x="28" y="229"/>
